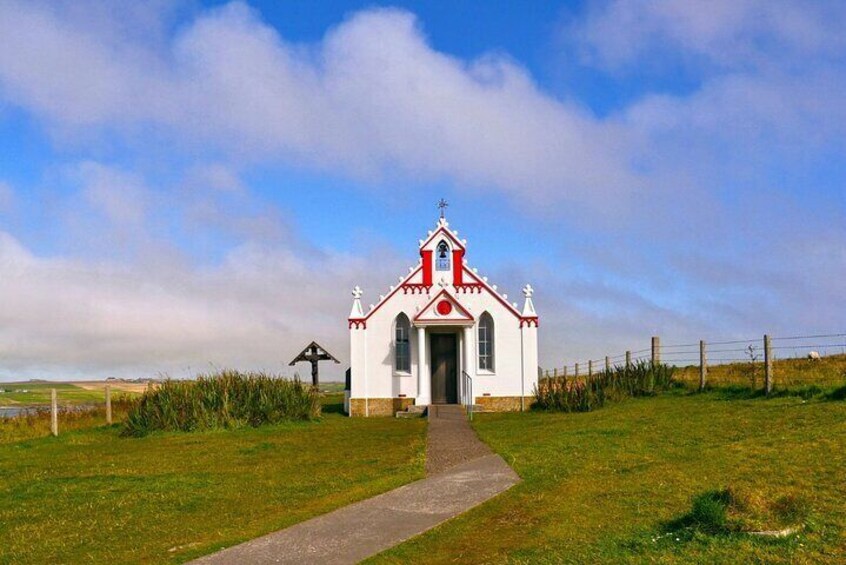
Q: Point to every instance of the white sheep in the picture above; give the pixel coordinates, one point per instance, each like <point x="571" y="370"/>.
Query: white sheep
<point x="814" y="355"/>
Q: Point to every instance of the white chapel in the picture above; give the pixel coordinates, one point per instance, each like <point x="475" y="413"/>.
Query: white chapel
<point x="442" y="335"/>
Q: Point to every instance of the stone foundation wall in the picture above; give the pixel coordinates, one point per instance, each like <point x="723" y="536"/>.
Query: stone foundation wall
<point x="503" y="403"/>
<point x="379" y="406"/>
<point x="390" y="406"/>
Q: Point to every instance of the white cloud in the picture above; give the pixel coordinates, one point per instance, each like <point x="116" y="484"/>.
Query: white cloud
<point x="372" y="97"/>
<point x="731" y="34"/>
<point x="255" y="309"/>
<point x="119" y="196"/>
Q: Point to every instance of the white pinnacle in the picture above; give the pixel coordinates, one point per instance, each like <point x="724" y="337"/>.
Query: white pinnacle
<point x="356" y="311"/>
<point x="529" y="306"/>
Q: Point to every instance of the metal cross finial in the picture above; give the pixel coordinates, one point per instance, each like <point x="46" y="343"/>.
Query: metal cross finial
<point x="357" y="292"/>
<point x="528" y="291"/>
<point x="442" y="204"/>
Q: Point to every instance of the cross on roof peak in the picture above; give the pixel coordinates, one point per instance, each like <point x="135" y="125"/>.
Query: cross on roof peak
<point x="442" y="205"/>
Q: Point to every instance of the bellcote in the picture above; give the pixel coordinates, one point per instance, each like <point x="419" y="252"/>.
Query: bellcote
<point x="442" y="256"/>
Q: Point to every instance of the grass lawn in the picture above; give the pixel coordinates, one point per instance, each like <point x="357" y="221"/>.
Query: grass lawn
<point x="600" y="487"/>
<point x="92" y="496"/>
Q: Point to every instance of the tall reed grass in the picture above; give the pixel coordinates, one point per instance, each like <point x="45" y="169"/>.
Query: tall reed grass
<point x="228" y="399"/>
<point x="583" y="394"/>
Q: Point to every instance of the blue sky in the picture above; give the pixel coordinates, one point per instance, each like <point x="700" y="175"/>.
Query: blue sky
<point x="188" y="184"/>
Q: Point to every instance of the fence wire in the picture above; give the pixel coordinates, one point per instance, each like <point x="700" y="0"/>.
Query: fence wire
<point x="748" y="359"/>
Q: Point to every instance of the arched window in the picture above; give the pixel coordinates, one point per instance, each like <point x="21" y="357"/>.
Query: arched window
<point x="486" y="342"/>
<point x="442" y="257"/>
<point x="402" y="344"/>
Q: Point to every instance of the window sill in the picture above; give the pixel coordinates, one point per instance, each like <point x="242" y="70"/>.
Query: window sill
<point x="402" y="374"/>
<point x="484" y="373"/>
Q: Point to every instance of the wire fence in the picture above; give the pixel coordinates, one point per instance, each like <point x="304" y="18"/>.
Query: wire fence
<point x="814" y="359"/>
<point x="65" y="411"/>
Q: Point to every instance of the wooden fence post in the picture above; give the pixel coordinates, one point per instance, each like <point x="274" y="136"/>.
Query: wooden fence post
<point x="108" y="404"/>
<point x="607" y="364"/>
<point x="703" y="365"/>
<point x="577" y="369"/>
<point x="628" y="359"/>
<point x="54" y="413"/>
<point x="656" y="350"/>
<point x="590" y="367"/>
<point x="768" y="365"/>
<point x="555" y="373"/>
<point x="564" y="372"/>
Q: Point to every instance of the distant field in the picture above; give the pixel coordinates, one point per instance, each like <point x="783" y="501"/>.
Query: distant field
<point x="33" y="394"/>
<point x="85" y="392"/>
<point x="331" y="387"/>
<point x="602" y="487"/>
<point x="92" y="496"/>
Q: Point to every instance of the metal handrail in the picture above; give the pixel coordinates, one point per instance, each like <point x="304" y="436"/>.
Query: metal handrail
<point x="469" y="401"/>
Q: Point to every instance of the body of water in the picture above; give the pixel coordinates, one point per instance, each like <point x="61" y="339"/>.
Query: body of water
<point x="12" y="411"/>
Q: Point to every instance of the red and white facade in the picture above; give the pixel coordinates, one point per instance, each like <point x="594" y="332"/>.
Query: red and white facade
<point x="441" y="332"/>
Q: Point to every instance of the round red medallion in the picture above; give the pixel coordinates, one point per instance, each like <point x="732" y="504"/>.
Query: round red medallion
<point x="444" y="307"/>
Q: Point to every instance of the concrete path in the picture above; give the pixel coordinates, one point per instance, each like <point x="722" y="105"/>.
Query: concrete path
<point x="463" y="476"/>
<point x="450" y="440"/>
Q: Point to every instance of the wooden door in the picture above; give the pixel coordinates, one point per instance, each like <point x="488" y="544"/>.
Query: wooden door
<point x="444" y="365"/>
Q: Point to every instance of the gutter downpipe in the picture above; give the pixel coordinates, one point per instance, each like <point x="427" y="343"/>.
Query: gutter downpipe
<point x="366" y="393"/>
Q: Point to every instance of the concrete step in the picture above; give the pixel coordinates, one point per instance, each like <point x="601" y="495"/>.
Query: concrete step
<point x="404" y="414"/>
<point x="413" y="411"/>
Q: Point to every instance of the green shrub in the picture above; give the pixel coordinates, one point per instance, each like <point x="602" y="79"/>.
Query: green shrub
<point x="228" y="399"/>
<point x="709" y="511"/>
<point x="584" y="394"/>
<point x="837" y="394"/>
